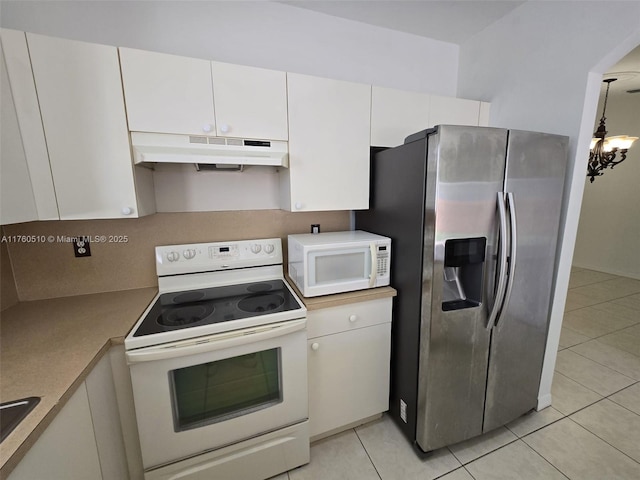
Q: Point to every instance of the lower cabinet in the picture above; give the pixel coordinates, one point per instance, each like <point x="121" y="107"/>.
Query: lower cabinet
<point x="88" y="439"/>
<point x="348" y="361"/>
<point x="67" y="448"/>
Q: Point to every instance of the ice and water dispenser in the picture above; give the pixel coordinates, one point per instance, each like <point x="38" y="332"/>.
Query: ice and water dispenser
<point x="463" y="273"/>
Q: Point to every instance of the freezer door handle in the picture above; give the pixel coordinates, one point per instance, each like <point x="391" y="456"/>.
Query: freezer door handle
<point x="502" y="263"/>
<point x="513" y="236"/>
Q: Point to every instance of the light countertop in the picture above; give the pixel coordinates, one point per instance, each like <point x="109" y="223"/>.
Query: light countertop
<point x="50" y="346"/>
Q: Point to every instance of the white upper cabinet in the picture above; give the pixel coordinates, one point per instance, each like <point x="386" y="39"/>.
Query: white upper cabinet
<point x="485" y="109"/>
<point x="173" y="94"/>
<point x="453" y="111"/>
<point x="395" y="114"/>
<point x="249" y="102"/>
<point x="167" y="93"/>
<point x="329" y="139"/>
<point x="26" y="189"/>
<point x="82" y="106"/>
<point x="17" y="202"/>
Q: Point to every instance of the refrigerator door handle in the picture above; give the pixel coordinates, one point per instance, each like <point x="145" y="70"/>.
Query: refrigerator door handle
<point x="512" y="248"/>
<point x="502" y="265"/>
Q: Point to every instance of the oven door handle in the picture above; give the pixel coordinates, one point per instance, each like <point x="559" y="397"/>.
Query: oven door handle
<point x="215" y="342"/>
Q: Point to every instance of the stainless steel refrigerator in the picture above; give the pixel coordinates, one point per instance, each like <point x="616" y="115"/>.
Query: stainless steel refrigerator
<point x="473" y="214"/>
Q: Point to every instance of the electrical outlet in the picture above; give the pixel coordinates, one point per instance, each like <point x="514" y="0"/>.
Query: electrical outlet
<point x="81" y="247"/>
<point x="315" y="228"/>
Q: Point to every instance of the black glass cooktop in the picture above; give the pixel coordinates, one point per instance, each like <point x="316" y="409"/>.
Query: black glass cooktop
<point x="193" y="308"/>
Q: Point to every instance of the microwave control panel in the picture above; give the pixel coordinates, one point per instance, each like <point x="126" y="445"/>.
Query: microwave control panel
<point x="382" y="252"/>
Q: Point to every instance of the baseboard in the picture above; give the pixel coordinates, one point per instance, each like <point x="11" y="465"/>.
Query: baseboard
<point x="544" y="402"/>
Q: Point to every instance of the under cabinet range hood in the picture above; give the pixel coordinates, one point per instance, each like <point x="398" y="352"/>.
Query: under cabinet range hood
<point x="150" y="148"/>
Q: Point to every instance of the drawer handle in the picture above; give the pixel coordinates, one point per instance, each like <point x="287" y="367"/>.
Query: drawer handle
<point x="353" y="318"/>
<point x="315" y="346"/>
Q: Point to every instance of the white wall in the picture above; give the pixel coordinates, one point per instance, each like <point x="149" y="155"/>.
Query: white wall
<point x="259" y="33"/>
<point x="540" y="67"/>
<point x="609" y="230"/>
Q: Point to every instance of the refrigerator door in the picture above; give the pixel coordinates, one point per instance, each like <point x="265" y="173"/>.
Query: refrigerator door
<point x="466" y="167"/>
<point x="534" y="176"/>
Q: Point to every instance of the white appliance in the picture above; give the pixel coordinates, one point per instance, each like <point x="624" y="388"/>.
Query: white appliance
<point x="205" y="150"/>
<point x="334" y="262"/>
<point x="218" y="365"/>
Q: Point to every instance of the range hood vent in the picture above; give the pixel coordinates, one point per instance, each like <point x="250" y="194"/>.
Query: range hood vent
<point x="150" y="148"/>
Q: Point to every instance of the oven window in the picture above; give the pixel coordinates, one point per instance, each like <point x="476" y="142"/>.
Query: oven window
<point x="224" y="389"/>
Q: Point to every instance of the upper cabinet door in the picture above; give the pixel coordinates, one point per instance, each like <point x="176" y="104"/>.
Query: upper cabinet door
<point x="17" y="201"/>
<point x="80" y="94"/>
<point x="329" y="138"/>
<point x="26" y="175"/>
<point x="167" y="93"/>
<point x="396" y="114"/>
<point x="453" y="111"/>
<point x="249" y="102"/>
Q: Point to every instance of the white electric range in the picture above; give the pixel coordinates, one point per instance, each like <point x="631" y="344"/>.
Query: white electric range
<point x="218" y="365"/>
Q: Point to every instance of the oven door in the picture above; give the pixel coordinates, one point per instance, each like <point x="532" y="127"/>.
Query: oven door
<point x="197" y="395"/>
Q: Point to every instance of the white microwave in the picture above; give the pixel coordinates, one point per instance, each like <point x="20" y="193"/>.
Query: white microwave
<point x="334" y="262"/>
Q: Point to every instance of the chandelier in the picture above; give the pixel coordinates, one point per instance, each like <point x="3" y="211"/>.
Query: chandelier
<point x="603" y="150"/>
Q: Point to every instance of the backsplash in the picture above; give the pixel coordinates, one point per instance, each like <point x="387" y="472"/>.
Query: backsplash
<point x="47" y="267"/>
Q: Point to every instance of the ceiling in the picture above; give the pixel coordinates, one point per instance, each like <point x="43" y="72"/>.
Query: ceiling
<point x="453" y="21"/>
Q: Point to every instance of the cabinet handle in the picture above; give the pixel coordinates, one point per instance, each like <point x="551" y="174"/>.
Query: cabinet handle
<point x="206" y="127"/>
<point x="353" y="318"/>
<point x="127" y="210"/>
<point x="315" y="346"/>
<point x="224" y="128"/>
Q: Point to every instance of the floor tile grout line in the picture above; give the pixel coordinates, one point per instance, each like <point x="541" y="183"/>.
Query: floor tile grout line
<point x="597" y="303"/>
<point x="605" y="441"/>
<point x="543" y="426"/>
<point x="488" y="453"/>
<point x="461" y="467"/>
<point x="367" y="452"/>
<point x="598" y="393"/>
<point x="591" y="390"/>
<point x="544" y="458"/>
<point x="606" y="366"/>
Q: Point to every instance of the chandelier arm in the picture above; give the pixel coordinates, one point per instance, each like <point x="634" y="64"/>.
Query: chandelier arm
<point x="623" y="156"/>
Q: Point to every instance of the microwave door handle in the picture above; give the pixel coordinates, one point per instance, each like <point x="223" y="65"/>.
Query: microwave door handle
<point x="374" y="265"/>
<point x="214" y="342"/>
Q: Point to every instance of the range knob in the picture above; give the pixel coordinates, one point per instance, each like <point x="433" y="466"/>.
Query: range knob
<point x="255" y="248"/>
<point x="173" y="256"/>
<point x="189" y="253"/>
<point x="269" y="248"/>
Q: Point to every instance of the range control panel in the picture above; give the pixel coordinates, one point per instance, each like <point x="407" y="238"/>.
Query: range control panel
<point x="215" y="256"/>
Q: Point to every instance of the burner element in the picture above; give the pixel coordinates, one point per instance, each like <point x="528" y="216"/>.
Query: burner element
<point x="259" y="287"/>
<point x="189" y="297"/>
<point x="261" y="302"/>
<point x="186" y="315"/>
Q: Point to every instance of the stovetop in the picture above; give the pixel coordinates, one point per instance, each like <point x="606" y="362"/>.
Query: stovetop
<point x="206" y="306"/>
<point x="216" y="287"/>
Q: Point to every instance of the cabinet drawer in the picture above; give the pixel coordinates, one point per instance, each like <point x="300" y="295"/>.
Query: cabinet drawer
<point x="327" y="321"/>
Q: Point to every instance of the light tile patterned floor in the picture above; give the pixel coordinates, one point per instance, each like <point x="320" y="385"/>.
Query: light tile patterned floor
<point x="592" y="430"/>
